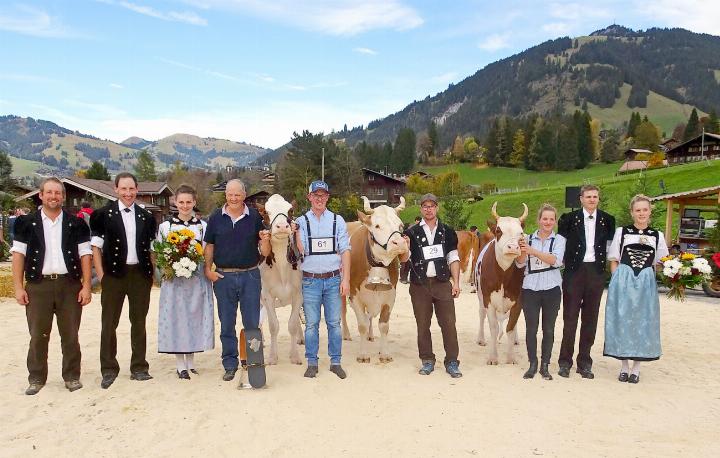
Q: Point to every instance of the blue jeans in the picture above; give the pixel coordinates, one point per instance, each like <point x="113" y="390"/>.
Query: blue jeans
<point x="243" y="287"/>
<point x="325" y="291"/>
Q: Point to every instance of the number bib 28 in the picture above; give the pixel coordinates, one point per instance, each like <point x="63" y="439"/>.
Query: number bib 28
<point x="433" y="252"/>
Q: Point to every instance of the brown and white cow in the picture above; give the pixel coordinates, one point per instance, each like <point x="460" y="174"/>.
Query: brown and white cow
<point x="376" y="241"/>
<point x="499" y="283"/>
<point x="468" y="250"/>
<point x="281" y="278"/>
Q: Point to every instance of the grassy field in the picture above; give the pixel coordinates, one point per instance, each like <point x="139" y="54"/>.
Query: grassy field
<point x="519" y="179"/>
<point x="676" y="179"/>
<point x="23" y="167"/>
<point x="663" y="112"/>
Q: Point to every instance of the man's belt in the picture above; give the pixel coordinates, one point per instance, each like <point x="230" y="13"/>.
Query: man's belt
<point x="54" y="276"/>
<point x="334" y="273"/>
<point x="235" y="269"/>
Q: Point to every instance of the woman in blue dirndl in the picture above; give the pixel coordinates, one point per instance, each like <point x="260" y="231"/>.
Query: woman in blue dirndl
<point x="185" y="319"/>
<point x="632" y="312"/>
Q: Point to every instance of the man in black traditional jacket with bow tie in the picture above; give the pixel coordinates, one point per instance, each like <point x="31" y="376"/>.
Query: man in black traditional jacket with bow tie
<point x="587" y="232"/>
<point x="122" y="233"/>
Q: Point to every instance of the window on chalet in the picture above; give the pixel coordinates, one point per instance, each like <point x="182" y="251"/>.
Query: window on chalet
<point x="371" y="177"/>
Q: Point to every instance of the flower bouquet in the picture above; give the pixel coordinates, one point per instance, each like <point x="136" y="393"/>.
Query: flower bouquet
<point x="178" y="255"/>
<point x="681" y="271"/>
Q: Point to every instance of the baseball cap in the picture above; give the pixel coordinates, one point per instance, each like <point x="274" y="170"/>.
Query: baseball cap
<point x="318" y="184"/>
<point x="429" y="196"/>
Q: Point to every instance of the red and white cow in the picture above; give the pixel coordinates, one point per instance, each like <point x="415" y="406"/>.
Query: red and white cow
<point x="499" y="282"/>
<point x="376" y="241"/>
<point x="281" y="278"/>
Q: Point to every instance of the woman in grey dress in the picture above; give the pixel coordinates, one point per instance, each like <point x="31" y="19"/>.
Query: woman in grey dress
<point x="185" y="323"/>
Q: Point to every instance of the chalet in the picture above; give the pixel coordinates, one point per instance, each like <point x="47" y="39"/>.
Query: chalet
<point x="631" y="154"/>
<point x="704" y="146"/>
<point x="154" y="196"/>
<point x="669" y="144"/>
<point x="381" y="188"/>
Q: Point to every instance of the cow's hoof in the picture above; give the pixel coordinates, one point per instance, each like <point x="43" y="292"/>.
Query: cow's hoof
<point x="348" y="338"/>
<point x="473" y="291"/>
<point x="481" y="342"/>
<point x="363" y="359"/>
<point x="492" y="362"/>
<point x="386" y="359"/>
<point x="510" y="361"/>
<point x="371" y="338"/>
<point x="271" y="360"/>
<point x="296" y="360"/>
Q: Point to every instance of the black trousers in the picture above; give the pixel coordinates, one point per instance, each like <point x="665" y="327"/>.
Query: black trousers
<point x="582" y="291"/>
<point x="136" y="286"/>
<point x="57" y="297"/>
<point x="435" y="295"/>
<point x="533" y="302"/>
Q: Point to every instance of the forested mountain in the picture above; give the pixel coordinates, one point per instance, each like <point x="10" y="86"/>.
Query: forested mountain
<point x="661" y="73"/>
<point x="58" y="147"/>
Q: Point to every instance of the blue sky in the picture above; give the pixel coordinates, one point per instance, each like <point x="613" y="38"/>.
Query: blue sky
<point x="255" y="71"/>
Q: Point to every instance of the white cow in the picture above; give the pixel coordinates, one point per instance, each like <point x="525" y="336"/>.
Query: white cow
<point x="281" y="281"/>
<point x="376" y="241"/>
<point x="499" y="282"/>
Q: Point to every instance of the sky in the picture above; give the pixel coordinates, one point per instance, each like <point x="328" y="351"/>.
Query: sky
<point x="258" y="70"/>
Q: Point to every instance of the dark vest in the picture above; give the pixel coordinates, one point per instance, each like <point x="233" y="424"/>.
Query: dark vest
<point x="572" y="227"/>
<point x="107" y="223"/>
<point x="445" y="236"/>
<point x="29" y="230"/>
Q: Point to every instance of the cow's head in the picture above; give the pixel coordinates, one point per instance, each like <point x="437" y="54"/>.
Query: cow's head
<point x="508" y="231"/>
<point x="386" y="229"/>
<point x="278" y="214"/>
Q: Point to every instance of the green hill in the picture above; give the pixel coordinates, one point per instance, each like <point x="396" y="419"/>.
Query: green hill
<point x="676" y="179"/>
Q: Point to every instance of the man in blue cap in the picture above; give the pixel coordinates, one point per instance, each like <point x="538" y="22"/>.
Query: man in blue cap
<point x="323" y="239"/>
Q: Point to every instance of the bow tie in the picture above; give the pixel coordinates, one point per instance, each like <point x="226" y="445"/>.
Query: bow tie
<point x="591" y="217"/>
<point x="127" y="210"/>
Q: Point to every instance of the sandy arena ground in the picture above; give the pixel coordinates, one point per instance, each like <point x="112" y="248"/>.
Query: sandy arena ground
<point x="380" y="409"/>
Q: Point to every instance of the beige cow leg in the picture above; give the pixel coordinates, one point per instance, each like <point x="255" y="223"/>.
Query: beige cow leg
<point x="274" y="324"/>
<point x="384" y="326"/>
<point x="363" y="327"/>
<point x="295" y="329"/>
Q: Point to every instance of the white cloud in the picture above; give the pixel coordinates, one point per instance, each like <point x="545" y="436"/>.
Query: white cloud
<point x="116" y="86"/>
<point x="368" y="51"/>
<point x="445" y="78"/>
<point x="98" y="109"/>
<point x="333" y="17"/>
<point x="696" y="15"/>
<point x="187" y="17"/>
<point x="556" y="28"/>
<point x="494" y="43"/>
<point x="27" y="20"/>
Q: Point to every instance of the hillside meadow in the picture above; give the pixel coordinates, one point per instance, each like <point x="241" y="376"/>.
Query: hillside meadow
<point x="676" y="179"/>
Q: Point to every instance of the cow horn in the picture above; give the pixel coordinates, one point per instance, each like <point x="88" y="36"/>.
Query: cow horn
<point x="494" y="211"/>
<point x="401" y="206"/>
<point x="525" y="212"/>
<point x="366" y="205"/>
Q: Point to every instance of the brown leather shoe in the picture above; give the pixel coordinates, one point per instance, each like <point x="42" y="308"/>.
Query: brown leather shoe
<point x="34" y="388"/>
<point x="73" y="385"/>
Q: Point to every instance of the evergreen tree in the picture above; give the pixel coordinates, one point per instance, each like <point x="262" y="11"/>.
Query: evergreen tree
<point x="610" y="151"/>
<point x="540" y="152"/>
<point x="506" y="146"/>
<point x="567" y="156"/>
<point x="713" y="124"/>
<point x="517" y="158"/>
<point x="632" y="124"/>
<point x="403" y="158"/>
<point x="385" y="157"/>
<point x="692" y="129"/>
<point x="584" y="138"/>
<point x="97" y="171"/>
<point x="434" y="138"/>
<point x="145" y="167"/>
<point x="6" y="179"/>
<point x="492" y="156"/>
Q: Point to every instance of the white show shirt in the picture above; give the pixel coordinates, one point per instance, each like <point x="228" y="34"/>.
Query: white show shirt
<point x="130" y="231"/>
<point x="430" y="234"/>
<point x="53" y="262"/>
<point x="589" y="235"/>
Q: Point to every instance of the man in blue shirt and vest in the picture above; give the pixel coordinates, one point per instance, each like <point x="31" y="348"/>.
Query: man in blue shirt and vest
<point x="323" y="239"/>
<point x="236" y="238"/>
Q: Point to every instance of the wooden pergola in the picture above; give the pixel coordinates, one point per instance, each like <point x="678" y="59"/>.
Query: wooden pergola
<point x="705" y="197"/>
